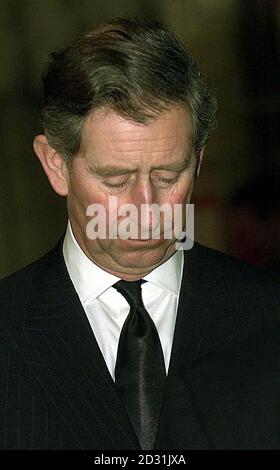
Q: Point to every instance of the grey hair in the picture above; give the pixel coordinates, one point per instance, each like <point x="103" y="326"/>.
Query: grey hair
<point x="136" y="68"/>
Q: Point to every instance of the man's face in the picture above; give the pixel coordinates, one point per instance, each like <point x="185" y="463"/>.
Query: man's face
<point x="138" y="164"/>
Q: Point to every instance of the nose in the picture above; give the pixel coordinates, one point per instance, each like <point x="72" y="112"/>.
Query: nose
<point x="144" y="196"/>
<point x="142" y="192"/>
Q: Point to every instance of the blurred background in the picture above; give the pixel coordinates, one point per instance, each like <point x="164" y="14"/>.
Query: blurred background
<point x="237" y="195"/>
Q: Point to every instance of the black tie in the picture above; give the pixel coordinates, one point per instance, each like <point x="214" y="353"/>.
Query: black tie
<point x="140" y="372"/>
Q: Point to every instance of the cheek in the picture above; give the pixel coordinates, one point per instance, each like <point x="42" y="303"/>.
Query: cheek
<point x="84" y="192"/>
<point x="181" y="193"/>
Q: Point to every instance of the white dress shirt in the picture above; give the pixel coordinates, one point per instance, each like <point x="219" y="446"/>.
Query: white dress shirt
<point x="107" y="309"/>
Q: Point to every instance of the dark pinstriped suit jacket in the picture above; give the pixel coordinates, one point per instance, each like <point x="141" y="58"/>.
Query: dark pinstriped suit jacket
<point x="223" y="386"/>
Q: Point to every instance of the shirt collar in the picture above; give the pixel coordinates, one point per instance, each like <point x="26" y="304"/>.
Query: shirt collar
<point x="169" y="274"/>
<point x="90" y="281"/>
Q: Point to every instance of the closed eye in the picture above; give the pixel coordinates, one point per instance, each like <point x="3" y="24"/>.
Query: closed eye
<point x="115" y="185"/>
<point x="116" y="182"/>
<point x="166" y="178"/>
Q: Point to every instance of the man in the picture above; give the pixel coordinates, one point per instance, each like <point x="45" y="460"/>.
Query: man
<point x="126" y="342"/>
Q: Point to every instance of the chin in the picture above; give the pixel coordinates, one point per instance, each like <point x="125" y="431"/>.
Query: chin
<point x="144" y="259"/>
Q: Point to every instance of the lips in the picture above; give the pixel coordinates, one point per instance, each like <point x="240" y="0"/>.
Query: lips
<point x="142" y="242"/>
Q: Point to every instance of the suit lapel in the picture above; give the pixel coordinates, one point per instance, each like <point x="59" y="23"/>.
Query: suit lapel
<point x="207" y="313"/>
<point x="58" y="336"/>
<point x="204" y="320"/>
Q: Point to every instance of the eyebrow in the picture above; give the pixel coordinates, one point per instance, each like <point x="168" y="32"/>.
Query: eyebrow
<point x="110" y="170"/>
<point x="173" y="167"/>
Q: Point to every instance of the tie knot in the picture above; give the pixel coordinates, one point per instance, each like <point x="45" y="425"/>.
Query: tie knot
<point x="131" y="290"/>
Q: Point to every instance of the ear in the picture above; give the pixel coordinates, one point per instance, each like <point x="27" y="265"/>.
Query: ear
<point x="199" y="160"/>
<point x="53" y="164"/>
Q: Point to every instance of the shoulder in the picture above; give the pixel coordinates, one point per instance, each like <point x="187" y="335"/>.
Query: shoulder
<point x="247" y="287"/>
<point x="34" y="279"/>
<point x="44" y="265"/>
<point x="229" y="266"/>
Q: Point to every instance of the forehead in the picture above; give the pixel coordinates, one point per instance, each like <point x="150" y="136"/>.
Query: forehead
<point x="107" y="135"/>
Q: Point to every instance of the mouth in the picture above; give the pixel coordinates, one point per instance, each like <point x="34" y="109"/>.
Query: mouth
<point x="142" y="241"/>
